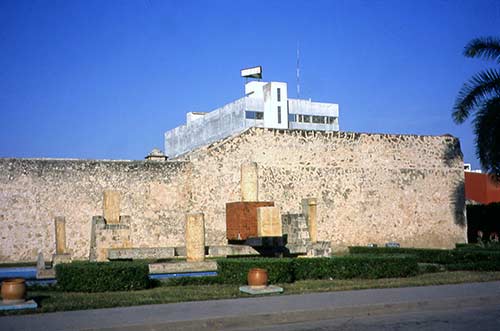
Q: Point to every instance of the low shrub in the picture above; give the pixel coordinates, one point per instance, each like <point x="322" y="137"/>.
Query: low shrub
<point x="360" y="266"/>
<point x="440" y="256"/>
<point x="186" y="281"/>
<point x="235" y="271"/>
<point x="102" y="276"/>
<point x="490" y="246"/>
<point x="427" y="268"/>
<point x="422" y="254"/>
<point x="491" y="265"/>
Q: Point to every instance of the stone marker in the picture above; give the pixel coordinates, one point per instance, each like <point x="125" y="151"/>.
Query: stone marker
<point x="269" y="222"/>
<point x="249" y="182"/>
<point x="309" y="209"/>
<point x="111" y="207"/>
<point x="40" y="262"/>
<point x="41" y="271"/>
<point x="195" y="237"/>
<point x="60" y="226"/>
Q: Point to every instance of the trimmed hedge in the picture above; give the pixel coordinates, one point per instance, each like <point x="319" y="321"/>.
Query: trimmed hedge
<point x="187" y="281"/>
<point x="475" y="266"/>
<point x="82" y="276"/>
<point x="490" y="246"/>
<point x="235" y="271"/>
<point x="441" y="256"/>
<point x="286" y="270"/>
<point x="427" y="268"/>
<point x="361" y="266"/>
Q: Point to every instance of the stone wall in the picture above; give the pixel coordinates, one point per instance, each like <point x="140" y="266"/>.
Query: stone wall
<point x="370" y="188"/>
<point x="33" y="191"/>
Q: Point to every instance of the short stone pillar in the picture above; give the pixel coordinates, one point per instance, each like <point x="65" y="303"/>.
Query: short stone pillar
<point x="195" y="237"/>
<point x="111" y="207"/>
<point x="249" y="182"/>
<point x="309" y="209"/>
<point x="61" y="255"/>
<point x="269" y="222"/>
<point x="60" y="226"/>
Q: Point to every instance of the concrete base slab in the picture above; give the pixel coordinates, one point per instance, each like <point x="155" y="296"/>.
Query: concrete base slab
<point x="30" y="304"/>
<point x="141" y="253"/>
<point x="261" y="290"/>
<point x="220" y="251"/>
<point x="46" y="274"/>
<point x="181" y="267"/>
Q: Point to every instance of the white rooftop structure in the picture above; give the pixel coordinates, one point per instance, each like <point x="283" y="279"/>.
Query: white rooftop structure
<point x="265" y="104"/>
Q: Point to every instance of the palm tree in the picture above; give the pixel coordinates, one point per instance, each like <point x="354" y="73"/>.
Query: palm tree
<point x="481" y="95"/>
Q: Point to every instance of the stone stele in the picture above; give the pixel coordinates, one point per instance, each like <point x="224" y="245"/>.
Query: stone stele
<point x="310" y="210"/>
<point x="111" y="207"/>
<point x="249" y="182"/>
<point x="60" y="228"/>
<point x="269" y="222"/>
<point x="195" y="237"/>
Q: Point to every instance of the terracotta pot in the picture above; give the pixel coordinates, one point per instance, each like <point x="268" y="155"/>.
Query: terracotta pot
<point x="257" y="277"/>
<point x="13" y="290"/>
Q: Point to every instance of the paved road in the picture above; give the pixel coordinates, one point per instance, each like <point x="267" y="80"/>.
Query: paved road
<point x="448" y="307"/>
<point x="465" y="319"/>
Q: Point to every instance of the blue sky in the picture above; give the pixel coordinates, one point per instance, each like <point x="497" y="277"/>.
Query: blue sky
<point x="106" y="79"/>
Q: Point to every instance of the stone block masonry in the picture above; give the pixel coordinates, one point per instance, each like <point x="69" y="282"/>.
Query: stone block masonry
<point x="370" y="188"/>
<point x="269" y="222"/>
<point x="60" y="230"/>
<point x="111" y="206"/>
<point x="309" y="209"/>
<point x="249" y="182"/>
<point x="195" y="237"/>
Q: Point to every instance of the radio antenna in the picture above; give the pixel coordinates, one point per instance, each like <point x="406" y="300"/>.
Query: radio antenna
<point x="298" y="70"/>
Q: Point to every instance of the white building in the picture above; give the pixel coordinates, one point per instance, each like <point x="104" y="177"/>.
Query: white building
<point x="265" y="104"/>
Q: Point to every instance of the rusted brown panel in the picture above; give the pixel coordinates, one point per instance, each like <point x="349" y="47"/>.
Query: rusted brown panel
<point x="241" y="219"/>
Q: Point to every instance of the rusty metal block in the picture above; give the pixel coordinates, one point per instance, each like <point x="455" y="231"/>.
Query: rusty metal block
<point x="241" y="219"/>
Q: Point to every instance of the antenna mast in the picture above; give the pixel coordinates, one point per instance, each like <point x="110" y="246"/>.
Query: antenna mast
<point x="298" y="70"/>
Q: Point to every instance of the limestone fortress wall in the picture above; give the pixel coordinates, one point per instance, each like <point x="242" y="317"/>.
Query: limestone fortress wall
<point x="371" y="188"/>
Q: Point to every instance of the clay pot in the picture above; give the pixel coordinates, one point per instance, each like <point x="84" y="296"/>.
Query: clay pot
<point x="257" y="277"/>
<point x="13" y="290"/>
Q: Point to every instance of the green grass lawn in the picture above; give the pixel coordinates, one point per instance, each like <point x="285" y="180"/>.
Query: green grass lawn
<point x="51" y="300"/>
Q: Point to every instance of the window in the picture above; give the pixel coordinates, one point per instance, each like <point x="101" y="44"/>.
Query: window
<point x="307" y="118"/>
<point x="291" y="117"/>
<point x="318" y="119"/>
<point x="279" y="94"/>
<point x="254" y="115"/>
<point x="279" y="114"/>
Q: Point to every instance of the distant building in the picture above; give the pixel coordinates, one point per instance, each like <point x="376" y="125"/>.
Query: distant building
<point x="156" y="155"/>
<point x="265" y="104"/>
<point x="480" y="188"/>
<point x="468" y="167"/>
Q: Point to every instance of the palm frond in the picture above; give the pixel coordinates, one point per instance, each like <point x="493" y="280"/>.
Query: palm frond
<point x="487" y="130"/>
<point x="474" y="92"/>
<point x="486" y="47"/>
